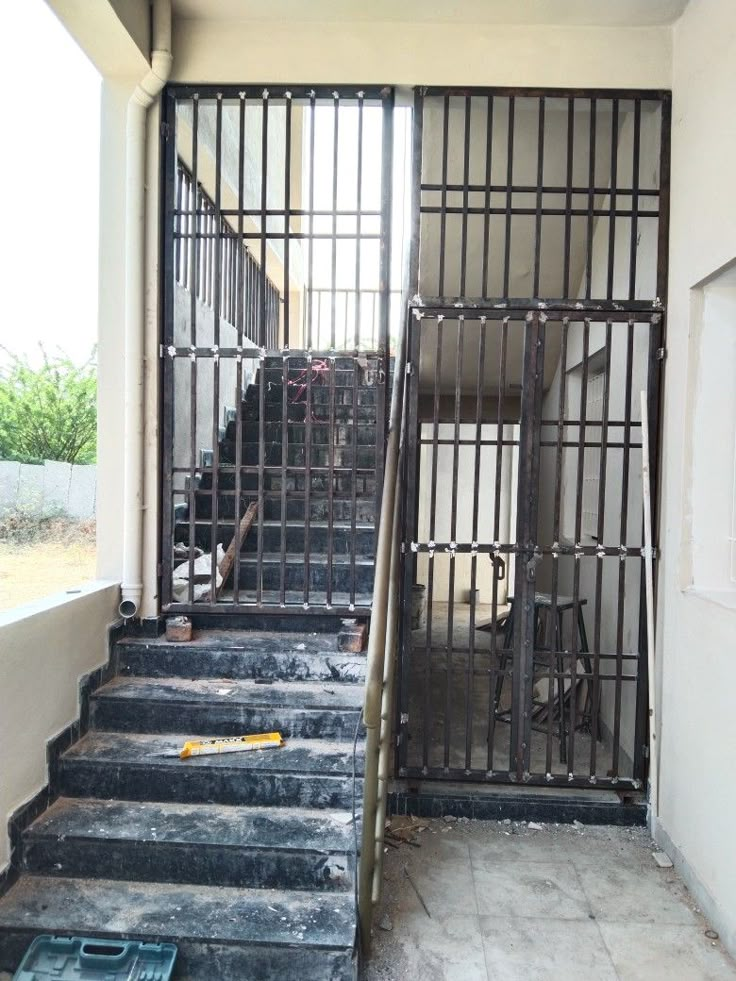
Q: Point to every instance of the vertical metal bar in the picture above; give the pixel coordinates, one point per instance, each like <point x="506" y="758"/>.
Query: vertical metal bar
<point x="430" y="560"/>
<point x="264" y="220"/>
<point x="612" y="199"/>
<point x="416" y="190"/>
<point x="284" y="474"/>
<point x="497" y="662"/>
<point x="261" y="463"/>
<point x="555" y="656"/>
<point x="168" y="151"/>
<point x="287" y="221"/>
<point x="663" y="227"/>
<point x="443" y="202"/>
<point x="179" y="225"/>
<point x="333" y="269"/>
<point x="470" y="670"/>
<point x="355" y="368"/>
<point x="623" y="533"/>
<point x="540" y="184"/>
<point x="591" y="201"/>
<point x="576" y="611"/>
<point x="239" y="323"/>
<point x="193" y="344"/>
<point x="635" y="199"/>
<point x="525" y="614"/>
<point x="568" y="196"/>
<point x="308" y="410"/>
<point x="466" y="182"/>
<point x="596" y="664"/>
<point x="407" y="683"/>
<point x="331" y="484"/>
<point x="216" y="303"/>
<point x="487" y="207"/>
<point x="509" y="198"/>
<point x="310" y="261"/>
<point x="460" y="331"/>
<point x="387" y="156"/>
<point x="358" y="226"/>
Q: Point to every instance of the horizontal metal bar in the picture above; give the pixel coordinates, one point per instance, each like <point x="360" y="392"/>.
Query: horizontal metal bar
<point x="498" y="548"/>
<point x="370" y="94"/>
<point x="532" y="212"/>
<point x="532" y="189"/>
<point x="282" y="212"/>
<point x="429" y="305"/>
<point x="297" y="607"/>
<point x="503" y="776"/>
<point x="256" y="352"/>
<point x="646" y="95"/>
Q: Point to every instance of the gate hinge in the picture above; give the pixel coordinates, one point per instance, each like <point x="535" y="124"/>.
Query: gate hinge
<point x="165" y="130"/>
<point x="160" y="350"/>
<point x="409" y="368"/>
<point x="531" y="566"/>
<point x="159" y="570"/>
<point x="661" y="353"/>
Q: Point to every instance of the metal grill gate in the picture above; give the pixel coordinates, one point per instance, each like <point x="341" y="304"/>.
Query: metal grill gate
<point x="539" y="263"/>
<point x="276" y="219"/>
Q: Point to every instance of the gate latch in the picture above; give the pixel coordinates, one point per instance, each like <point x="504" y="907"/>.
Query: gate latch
<point x="531" y="566"/>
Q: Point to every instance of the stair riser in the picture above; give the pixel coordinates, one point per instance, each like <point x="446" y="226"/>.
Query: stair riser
<point x="203" y="864"/>
<point x="145" y="715"/>
<point x="342" y="434"/>
<point x="296" y="455"/>
<point x="294" y="575"/>
<point x="320" y="394"/>
<point x="182" y="661"/>
<point x="201" y="784"/>
<point x="321" y="412"/>
<point x="195" y="960"/>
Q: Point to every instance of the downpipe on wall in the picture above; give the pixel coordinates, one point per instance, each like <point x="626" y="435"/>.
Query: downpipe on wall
<point x="145" y="93"/>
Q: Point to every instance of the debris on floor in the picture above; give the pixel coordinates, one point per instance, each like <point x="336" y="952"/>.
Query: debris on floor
<point x="403" y="829"/>
<point x="662" y="859"/>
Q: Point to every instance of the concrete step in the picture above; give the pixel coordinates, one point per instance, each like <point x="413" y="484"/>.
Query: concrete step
<point x="307" y="710"/>
<point x="203" y="844"/>
<point x="242" y="654"/>
<point x="295" y="455"/>
<point x="224" y="933"/>
<point x="345" y="539"/>
<point x="320" y="433"/>
<point x="342" y="573"/>
<point x="130" y="766"/>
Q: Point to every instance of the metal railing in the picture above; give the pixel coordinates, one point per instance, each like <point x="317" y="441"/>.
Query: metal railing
<point x="381" y="660"/>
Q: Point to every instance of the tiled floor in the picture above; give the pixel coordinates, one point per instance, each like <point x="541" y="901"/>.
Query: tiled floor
<point x="506" y="903"/>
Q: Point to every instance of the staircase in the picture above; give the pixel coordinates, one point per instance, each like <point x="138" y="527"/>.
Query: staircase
<point x="246" y="861"/>
<point x="319" y="484"/>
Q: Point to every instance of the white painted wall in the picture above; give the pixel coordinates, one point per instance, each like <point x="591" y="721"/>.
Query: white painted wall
<point x="45" y="648"/>
<point x="696" y="646"/>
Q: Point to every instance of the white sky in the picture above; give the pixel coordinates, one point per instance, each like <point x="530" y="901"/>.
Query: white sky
<point x="49" y="175"/>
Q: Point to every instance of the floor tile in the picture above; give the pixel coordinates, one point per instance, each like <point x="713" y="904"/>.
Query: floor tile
<point x="633" y="894"/>
<point x="535" y="889"/>
<point x="430" y="949"/>
<point x="444" y="881"/>
<point x="669" y="953"/>
<point x="544" y="950"/>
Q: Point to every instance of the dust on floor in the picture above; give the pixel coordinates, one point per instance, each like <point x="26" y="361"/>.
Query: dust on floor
<point x="503" y="901"/>
<point x="31" y="571"/>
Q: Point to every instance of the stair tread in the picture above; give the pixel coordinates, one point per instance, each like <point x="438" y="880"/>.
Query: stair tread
<point x="267" y="641"/>
<point x="221" y="825"/>
<point x="157" y="912"/>
<point x="300" y="756"/>
<point x="285" y="694"/>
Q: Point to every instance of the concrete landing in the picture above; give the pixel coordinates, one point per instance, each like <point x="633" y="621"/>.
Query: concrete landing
<point x="506" y="903"/>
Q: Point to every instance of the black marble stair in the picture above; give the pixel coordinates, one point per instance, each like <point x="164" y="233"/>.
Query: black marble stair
<point x="245" y="860"/>
<point x="245" y="847"/>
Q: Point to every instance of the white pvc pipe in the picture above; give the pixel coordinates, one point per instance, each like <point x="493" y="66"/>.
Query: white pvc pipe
<point x="649" y="592"/>
<point x="135" y="273"/>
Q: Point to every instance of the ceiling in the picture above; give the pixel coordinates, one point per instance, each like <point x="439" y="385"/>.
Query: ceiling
<point x="600" y="13"/>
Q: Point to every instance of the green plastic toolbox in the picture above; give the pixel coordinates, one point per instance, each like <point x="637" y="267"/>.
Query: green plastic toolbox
<point x="87" y="959"/>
